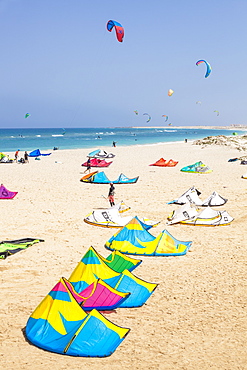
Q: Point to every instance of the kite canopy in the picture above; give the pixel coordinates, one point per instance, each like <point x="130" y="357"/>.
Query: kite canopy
<point x="189" y="215"/>
<point x="163" y="163"/>
<point x="149" y="117"/>
<point x="118" y="27"/>
<point x="98" y="153"/>
<point x="60" y="325"/>
<point x="4" y="158"/>
<point x="101" y="178"/>
<point x="107" y="218"/>
<point x="6" y="194"/>
<point x="98" y="295"/>
<point x="197" y="167"/>
<point x="135" y="239"/>
<point x="120" y="262"/>
<point x="170" y="92"/>
<point x="208" y="67"/>
<point x="96" y="162"/>
<point x="93" y="267"/>
<point x="37" y="153"/>
<point x="9" y="247"/>
<point x="192" y="196"/>
<point x="111" y="217"/>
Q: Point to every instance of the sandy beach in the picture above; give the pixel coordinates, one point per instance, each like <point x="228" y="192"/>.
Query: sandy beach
<point x="195" y="319"/>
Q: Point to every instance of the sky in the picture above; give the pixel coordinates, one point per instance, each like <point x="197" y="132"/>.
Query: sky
<point x="60" y="64"/>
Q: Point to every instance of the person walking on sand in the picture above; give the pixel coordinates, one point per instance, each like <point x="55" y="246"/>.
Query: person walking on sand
<point x="88" y="166"/>
<point x="111" y="194"/>
<point x="114" y="143"/>
<point x="16" y="155"/>
<point x="26" y="157"/>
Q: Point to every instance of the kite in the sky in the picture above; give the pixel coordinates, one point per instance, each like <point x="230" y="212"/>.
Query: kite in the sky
<point x="118" y="27"/>
<point x="149" y="117"/>
<point x="198" y="102"/>
<point x="209" y="69"/>
<point x="136" y="112"/>
<point x="27" y="115"/>
<point x="166" y="117"/>
<point x="216" y="111"/>
<point x="170" y="92"/>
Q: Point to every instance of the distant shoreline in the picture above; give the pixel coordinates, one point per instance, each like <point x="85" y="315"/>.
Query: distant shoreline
<point x="242" y="128"/>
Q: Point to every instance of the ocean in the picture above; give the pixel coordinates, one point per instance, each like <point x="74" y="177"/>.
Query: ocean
<point x="75" y="138"/>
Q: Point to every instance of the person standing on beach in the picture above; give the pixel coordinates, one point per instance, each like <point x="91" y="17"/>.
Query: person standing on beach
<point x="16" y="155"/>
<point x="111" y="194"/>
<point x="114" y="143"/>
<point x="88" y="166"/>
<point x="26" y="157"/>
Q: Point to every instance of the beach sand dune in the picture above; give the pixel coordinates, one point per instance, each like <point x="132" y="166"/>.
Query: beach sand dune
<point x="196" y="318"/>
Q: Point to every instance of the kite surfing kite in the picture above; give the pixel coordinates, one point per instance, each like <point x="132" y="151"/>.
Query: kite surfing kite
<point x="209" y="69"/>
<point x="170" y="92"/>
<point x="198" y="102"/>
<point x="149" y="117"/>
<point x="216" y="111"/>
<point x="165" y="117"/>
<point x="27" y="115"/>
<point x="118" y="27"/>
<point x="136" y="112"/>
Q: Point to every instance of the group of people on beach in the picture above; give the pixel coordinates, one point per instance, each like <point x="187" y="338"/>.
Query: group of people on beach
<point x="21" y="160"/>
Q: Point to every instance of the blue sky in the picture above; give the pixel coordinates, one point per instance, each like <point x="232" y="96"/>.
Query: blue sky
<point x="60" y="64"/>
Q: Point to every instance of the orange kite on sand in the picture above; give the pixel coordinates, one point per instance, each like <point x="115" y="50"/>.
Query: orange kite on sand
<point x="162" y="163"/>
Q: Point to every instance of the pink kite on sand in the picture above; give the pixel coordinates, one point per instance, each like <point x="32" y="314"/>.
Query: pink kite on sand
<point x="98" y="295"/>
<point x="6" y="194"/>
<point x="95" y="162"/>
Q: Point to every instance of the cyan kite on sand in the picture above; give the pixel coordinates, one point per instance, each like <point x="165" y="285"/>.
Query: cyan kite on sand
<point x="191" y="215"/>
<point x="192" y="196"/>
<point x="59" y="324"/>
<point x="101" y="178"/>
<point x="135" y="239"/>
<point x="9" y="247"/>
<point x="197" y="167"/>
<point x="99" y="153"/>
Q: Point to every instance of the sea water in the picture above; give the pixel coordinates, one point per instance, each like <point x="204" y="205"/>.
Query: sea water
<point x="93" y="138"/>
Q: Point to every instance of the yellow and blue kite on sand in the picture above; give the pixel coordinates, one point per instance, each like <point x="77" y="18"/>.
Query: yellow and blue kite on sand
<point x="133" y="238"/>
<point x="60" y="325"/>
<point x="92" y="267"/>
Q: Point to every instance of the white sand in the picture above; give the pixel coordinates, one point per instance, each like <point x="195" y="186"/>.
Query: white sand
<point x="196" y="318"/>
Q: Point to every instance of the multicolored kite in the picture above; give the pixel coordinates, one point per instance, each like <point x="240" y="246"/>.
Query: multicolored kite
<point x="59" y="324"/>
<point x="149" y="117"/>
<point x="118" y="27"/>
<point x="209" y="69"/>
